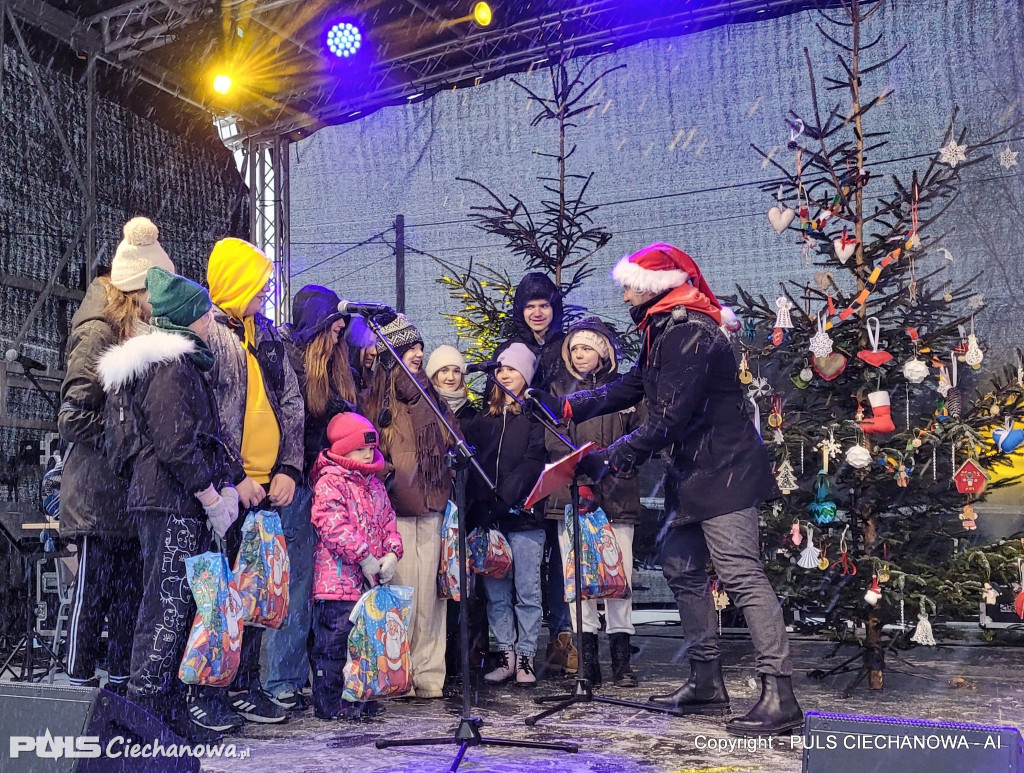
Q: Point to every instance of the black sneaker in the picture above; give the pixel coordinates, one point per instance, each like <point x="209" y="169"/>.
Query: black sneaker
<point x="93" y="681"/>
<point x="213" y="714"/>
<point x="291" y="700"/>
<point x="257" y="706"/>
<point x="185" y="727"/>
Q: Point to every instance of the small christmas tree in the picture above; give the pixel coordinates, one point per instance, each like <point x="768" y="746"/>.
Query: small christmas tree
<point x="864" y="374"/>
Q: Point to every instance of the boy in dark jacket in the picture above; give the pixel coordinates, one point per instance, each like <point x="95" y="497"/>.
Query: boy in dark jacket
<point x="718" y="475"/>
<point x="181" y="478"/>
<point x="588" y="354"/>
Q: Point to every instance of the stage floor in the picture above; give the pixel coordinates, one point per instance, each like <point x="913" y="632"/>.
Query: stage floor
<point x="623" y="740"/>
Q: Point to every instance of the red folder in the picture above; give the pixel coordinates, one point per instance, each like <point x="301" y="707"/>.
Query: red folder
<point x="558" y="474"/>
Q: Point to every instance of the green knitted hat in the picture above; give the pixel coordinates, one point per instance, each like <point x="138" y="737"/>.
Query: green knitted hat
<point x="178" y="300"/>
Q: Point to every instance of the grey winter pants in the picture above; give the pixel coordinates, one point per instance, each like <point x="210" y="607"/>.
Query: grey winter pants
<point x="731" y="542"/>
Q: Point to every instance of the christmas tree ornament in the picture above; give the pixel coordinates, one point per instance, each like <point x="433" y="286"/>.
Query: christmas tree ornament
<point x="796" y="128"/>
<point x="795" y="534"/>
<point x="944" y="382"/>
<point x="953" y="405"/>
<point x="989" y="595"/>
<point x="883" y="574"/>
<point x="775" y="416"/>
<point x="829" y="450"/>
<point x="880" y="422"/>
<point x="952" y="153"/>
<point x="759" y="387"/>
<point x="874" y="592"/>
<point x="803" y="377"/>
<point x="970" y="478"/>
<point x="780" y="218"/>
<point x="915" y="371"/>
<point x="846" y="567"/>
<point x="1008" y="158"/>
<point x="1008" y="438"/>
<point x="830" y="366"/>
<point x="858" y="457"/>
<point x="783" y="318"/>
<point x="810" y="556"/>
<point x="822" y="510"/>
<point x="720" y="597"/>
<point x="823" y="562"/>
<point x="874" y="357"/>
<point x="923" y="632"/>
<point x="844" y="247"/>
<point x="973" y="356"/>
<point x="745" y="375"/>
<point x="820" y="343"/>
<point x="968" y="518"/>
<point x="785" y="477"/>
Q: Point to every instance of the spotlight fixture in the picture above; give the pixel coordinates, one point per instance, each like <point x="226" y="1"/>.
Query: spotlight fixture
<point x="344" y="39"/>
<point x="221" y="83"/>
<point x="482" y="14"/>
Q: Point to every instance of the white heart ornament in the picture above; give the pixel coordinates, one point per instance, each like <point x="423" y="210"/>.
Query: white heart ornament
<point x="780" y="218"/>
<point x="844" y="251"/>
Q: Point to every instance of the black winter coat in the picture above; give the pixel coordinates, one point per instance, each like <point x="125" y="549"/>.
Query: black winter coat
<point x="175" y="413"/>
<point x="92" y="496"/>
<point x="510" y="448"/>
<point x="697" y="410"/>
<point x="535" y="286"/>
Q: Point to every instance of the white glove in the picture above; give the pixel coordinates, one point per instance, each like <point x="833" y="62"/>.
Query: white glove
<point x="230" y="496"/>
<point x="371" y="568"/>
<point x="218" y="517"/>
<point x="387" y="568"/>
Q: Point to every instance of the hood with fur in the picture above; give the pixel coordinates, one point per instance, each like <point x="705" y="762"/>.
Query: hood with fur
<point x="122" y="364"/>
<point x="536" y="286"/>
<point x="594" y="325"/>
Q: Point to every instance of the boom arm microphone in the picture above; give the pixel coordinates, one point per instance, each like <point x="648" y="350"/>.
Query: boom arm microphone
<point x="483" y="367"/>
<point x="26" y="362"/>
<point x="367" y="308"/>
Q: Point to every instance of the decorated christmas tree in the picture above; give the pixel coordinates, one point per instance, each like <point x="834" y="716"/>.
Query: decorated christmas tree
<point x="869" y="381"/>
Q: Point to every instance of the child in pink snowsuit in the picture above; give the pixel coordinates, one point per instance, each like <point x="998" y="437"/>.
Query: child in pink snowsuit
<point x="358" y="545"/>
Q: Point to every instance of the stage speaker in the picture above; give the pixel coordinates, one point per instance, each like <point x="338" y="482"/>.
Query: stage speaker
<point x="46" y="729"/>
<point x="841" y="743"/>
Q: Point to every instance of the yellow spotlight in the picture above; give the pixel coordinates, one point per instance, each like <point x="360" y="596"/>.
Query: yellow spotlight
<point x="222" y="83"/>
<point x="482" y="14"/>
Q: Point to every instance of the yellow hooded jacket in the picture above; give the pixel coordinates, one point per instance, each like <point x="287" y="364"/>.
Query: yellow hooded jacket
<point x="236" y="273"/>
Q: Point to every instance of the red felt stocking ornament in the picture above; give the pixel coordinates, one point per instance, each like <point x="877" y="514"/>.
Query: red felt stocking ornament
<point x="880" y="422"/>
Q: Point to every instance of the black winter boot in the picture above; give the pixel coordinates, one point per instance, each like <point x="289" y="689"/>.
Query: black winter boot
<point x="590" y="657"/>
<point x="703" y="693"/>
<point x="776" y="712"/>
<point x="622" y="674"/>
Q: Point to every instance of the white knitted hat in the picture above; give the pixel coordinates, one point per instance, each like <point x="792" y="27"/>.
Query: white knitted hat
<point x="442" y="357"/>
<point x="519" y="357"/>
<point x="138" y="252"/>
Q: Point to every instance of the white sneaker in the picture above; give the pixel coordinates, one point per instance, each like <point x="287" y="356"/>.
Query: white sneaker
<point x="505" y="670"/>
<point x="525" y="674"/>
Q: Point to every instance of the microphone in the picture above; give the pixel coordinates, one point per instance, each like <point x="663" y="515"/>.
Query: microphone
<point x="26" y="362"/>
<point x="365" y="308"/>
<point x="483" y="367"/>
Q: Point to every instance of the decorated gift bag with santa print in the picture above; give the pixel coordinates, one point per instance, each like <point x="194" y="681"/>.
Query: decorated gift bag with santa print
<point x="602" y="573"/>
<point x="490" y="554"/>
<point x="262" y="570"/>
<point x="215" y="643"/>
<point x="448" y="571"/>
<point x="379" y="665"/>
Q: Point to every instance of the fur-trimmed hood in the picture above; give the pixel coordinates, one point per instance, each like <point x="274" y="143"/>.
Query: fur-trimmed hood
<point x="131" y="360"/>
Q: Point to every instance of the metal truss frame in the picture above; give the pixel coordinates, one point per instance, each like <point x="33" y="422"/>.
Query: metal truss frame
<point x="266" y="164"/>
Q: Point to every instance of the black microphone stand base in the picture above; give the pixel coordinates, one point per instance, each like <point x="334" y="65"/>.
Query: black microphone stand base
<point x="583" y="692"/>
<point x="467" y="735"/>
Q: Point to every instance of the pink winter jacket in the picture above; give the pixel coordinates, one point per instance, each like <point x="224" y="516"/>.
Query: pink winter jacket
<point x="353" y="518"/>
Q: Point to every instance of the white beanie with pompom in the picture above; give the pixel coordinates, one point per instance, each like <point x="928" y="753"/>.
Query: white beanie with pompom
<point x="138" y="252"/>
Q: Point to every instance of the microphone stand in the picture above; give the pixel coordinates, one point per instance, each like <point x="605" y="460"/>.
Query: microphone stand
<point x="467" y="732"/>
<point x="583" y="690"/>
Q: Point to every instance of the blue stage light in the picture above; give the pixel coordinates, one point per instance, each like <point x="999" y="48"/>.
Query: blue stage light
<point x="344" y="39"/>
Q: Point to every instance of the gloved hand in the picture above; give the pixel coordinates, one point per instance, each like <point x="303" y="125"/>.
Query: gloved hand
<point x="230" y="496"/>
<point x="371" y="568"/>
<point x="595" y="465"/>
<point x="218" y="517"/>
<point x="541" y="404"/>
<point x="388" y="565"/>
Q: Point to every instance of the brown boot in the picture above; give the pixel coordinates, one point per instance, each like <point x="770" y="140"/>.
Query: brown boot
<point x="561" y="653"/>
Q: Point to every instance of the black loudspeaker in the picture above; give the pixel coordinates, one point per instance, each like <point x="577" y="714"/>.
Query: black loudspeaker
<point x="46" y="729"/>
<point x="841" y="743"/>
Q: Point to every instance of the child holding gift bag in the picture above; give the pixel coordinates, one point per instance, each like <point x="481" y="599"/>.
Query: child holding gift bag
<point x="358" y="545"/>
<point x="510" y="448"/>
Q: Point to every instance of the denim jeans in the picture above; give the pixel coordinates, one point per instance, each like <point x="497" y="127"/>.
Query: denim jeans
<point x="287" y="659"/>
<point x="514" y="608"/>
<point x="730" y="541"/>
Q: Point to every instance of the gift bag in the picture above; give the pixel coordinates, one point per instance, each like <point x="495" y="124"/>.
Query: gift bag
<point x="215" y="642"/>
<point x="490" y="554"/>
<point x="379" y="665"/>
<point x="448" y="571"/>
<point x="261" y="570"/>
<point x="602" y="574"/>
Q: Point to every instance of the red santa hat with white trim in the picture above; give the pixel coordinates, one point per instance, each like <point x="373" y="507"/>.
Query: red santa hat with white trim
<point x="660" y="267"/>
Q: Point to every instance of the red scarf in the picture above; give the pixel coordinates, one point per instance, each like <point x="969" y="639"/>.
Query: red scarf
<point x="689" y="296"/>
